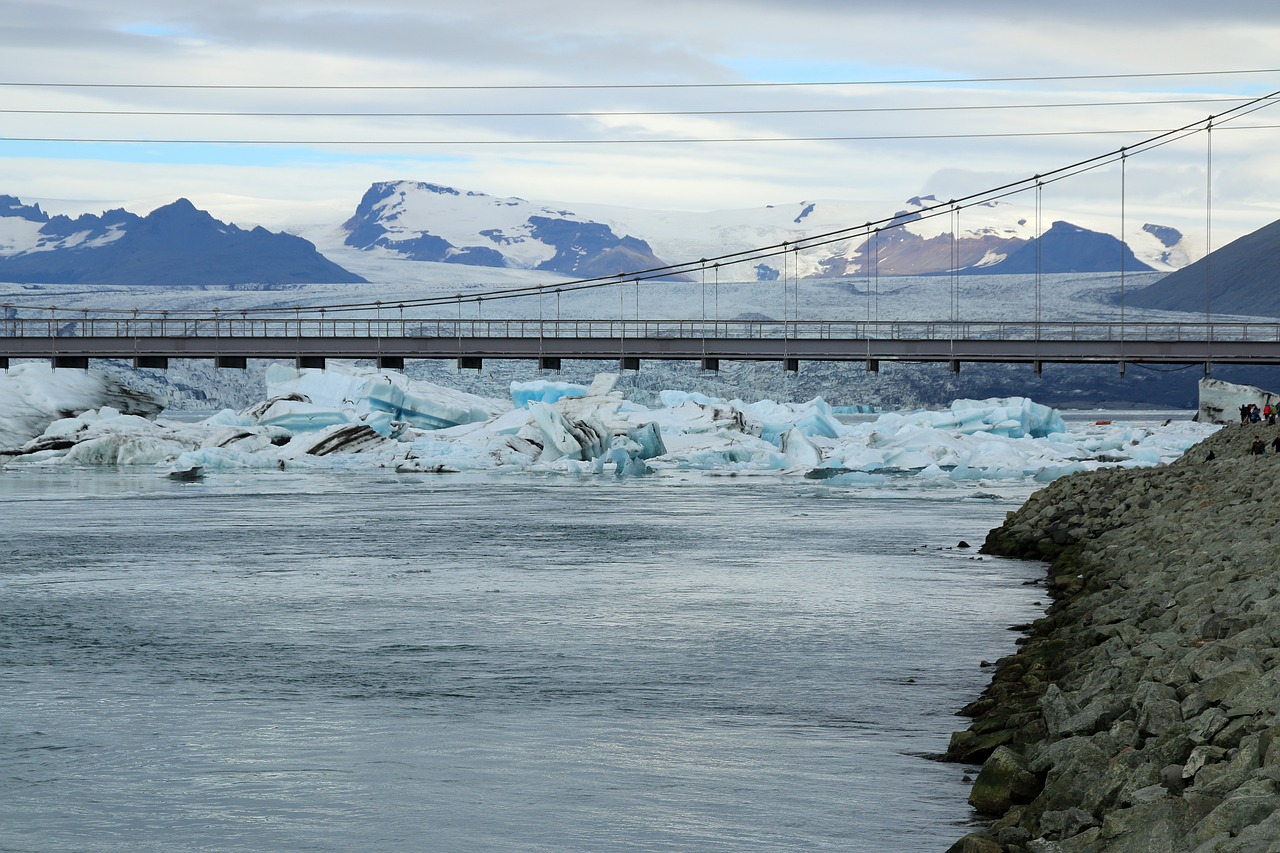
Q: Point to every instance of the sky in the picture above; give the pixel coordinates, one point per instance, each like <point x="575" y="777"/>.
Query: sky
<point x="280" y="113"/>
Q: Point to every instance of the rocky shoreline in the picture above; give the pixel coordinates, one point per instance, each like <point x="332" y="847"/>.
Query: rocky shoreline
<point x="1140" y="712"/>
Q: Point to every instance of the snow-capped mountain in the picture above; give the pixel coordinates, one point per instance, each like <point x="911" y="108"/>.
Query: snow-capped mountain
<point x="174" y="244"/>
<point x="428" y="222"/>
<point x="1238" y="278"/>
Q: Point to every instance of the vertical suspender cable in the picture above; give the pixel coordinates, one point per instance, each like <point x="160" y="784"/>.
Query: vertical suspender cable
<point x="1039" y="188"/>
<point x="784" y="297"/>
<point x="955" y="261"/>
<point x="875" y="272"/>
<point x="704" y="312"/>
<point x="1208" y="229"/>
<point x="1124" y="246"/>
<point x="866" y="271"/>
<point x="795" y="290"/>
<point x="704" y="297"/>
<point x="716" y="270"/>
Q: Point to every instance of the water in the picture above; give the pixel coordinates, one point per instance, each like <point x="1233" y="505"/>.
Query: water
<point x="333" y="663"/>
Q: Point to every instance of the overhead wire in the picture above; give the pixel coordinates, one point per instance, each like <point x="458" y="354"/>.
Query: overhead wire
<point x="668" y="271"/>
<point x="140" y="113"/>
<point x="627" y="141"/>
<point x="462" y="87"/>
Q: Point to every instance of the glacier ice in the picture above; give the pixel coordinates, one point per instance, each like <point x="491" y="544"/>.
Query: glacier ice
<point x="33" y="395"/>
<point x="364" y="419"/>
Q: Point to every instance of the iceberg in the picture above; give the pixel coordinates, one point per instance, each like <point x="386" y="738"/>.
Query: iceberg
<point x="523" y="393"/>
<point x="34" y="395"/>
<point x="361" y="392"/>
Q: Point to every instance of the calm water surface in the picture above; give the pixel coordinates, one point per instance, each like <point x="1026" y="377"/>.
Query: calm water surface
<point x="363" y="662"/>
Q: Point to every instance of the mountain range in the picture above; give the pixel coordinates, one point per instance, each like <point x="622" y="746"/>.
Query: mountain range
<point x="410" y="222"/>
<point x="429" y="222"/>
<point x="174" y="244"/>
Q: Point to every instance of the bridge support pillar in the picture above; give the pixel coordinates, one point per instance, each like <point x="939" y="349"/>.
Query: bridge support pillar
<point x="1208" y="368"/>
<point x="873" y="365"/>
<point x="470" y="362"/>
<point x="390" y="362"/>
<point x="232" y="362"/>
<point x="1037" y="366"/>
<point x="79" y="362"/>
<point x="548" y="362"/>
<point x="1122" y="368"/>
<point x="711" y="364"/>
<point x="629" y="362"/>
<point x="309" y="362"/>
<point x="791" y="365"/>
<point x="955" y="365"/>
<point x="156" y="362"/>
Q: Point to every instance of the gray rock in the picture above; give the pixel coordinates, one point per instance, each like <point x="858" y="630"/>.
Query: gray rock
<point x="1159" y="715"/>
<point x="1065" y="824"/>
<point x="1200" y="756"/>
<point x="1003" y="781"/>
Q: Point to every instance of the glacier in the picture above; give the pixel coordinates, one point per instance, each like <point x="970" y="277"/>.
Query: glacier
<point x="356" y="418"/>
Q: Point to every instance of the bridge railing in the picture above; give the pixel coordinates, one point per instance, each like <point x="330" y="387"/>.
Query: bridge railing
<point x="244" y="326"/>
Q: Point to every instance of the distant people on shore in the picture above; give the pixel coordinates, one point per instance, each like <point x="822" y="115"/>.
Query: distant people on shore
<point x="1251" y="414"/>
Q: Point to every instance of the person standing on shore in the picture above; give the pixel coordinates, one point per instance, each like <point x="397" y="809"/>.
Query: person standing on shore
<point x="1258" y="448"/>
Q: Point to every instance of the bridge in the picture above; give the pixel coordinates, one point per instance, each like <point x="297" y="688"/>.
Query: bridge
<point x="151" y="342"/>
<point x="311" y="335"/>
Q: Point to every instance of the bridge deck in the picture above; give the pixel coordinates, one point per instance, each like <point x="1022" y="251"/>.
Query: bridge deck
<point x="312" y="341"/>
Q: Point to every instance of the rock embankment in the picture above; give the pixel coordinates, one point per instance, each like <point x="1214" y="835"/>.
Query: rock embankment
<point x="1140" y="713"/>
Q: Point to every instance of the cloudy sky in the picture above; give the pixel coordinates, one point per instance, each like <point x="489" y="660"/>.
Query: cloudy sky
<point x="275" y="111"/>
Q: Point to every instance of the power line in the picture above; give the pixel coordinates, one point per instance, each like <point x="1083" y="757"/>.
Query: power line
<point x="668" y="271"/>
<point x="628" y="141"/>
<point x="613" y="113"/>
<point x="595" y="86"/>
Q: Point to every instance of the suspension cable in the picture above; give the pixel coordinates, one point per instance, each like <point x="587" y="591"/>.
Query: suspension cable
<point x="827" y="238"/>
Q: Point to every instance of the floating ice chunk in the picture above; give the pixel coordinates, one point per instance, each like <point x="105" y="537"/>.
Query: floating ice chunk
<point x="226" y="417"/>
<point x="1013" y="417"/>
<point x="578" y="428"/>
<point x="676" y="399"/>
<point x="813" y="418"/>
<point x="690" y="416"/>
<point x="225" y="459"/>
<point x="104" y="437"/>
<point x="558" y="438"/>
<point x="522" y="393"/>
<point x="798" y="450"/>
<point x="299" y="416"/>
<point x="34" y="395"/>
<point x="648" y="440"/>
<point x="119" y="448"/>
<point x="339" y="438"/>
<point x="424" y="405"/>
<point x="722" y="449"/>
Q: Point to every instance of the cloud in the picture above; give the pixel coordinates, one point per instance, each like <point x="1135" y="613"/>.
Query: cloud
<point x="606" y="58"/>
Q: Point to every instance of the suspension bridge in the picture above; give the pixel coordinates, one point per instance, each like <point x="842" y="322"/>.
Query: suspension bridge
<point x="152" y="343"/>
<point x="311" y="335"/>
